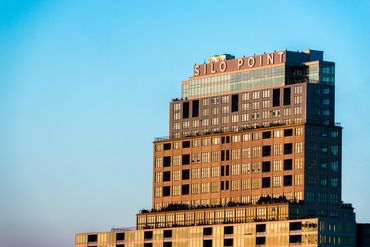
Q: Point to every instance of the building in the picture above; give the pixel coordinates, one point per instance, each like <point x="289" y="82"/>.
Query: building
<point x="253" y="158"/>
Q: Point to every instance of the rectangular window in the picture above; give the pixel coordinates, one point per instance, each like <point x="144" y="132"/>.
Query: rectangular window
<point x="185" y="174"/>
<point x="207" y="231"/>
<point x="195" y="109"/>
<point x="166" y="190"/>
<point x="266" y="182"/>
<point x="166" y="176"/>
<point x="288" y="180"/>
<point x="266" y="166"/>
<point x="228" y="242"/>
<point x="176" y="107"/>
<point x="235" y="103"/>
<point x="167" y="146"/>
<point x="288" y="132"/>
<point x="186" y="159"/>
<point x="148" y="235"/>
<point x="288" y="164"/>
<point x="266" y="134"/>
<point x="276" y="97"/>
<point x="185" y="189"/>
<point x="266" y="151"/>
<point x="298" y="179"/>
<point x="276" y="181"/>
<point x="287" y="96"/>
<point x="166" y="161"/>
<point x="176" y="175"/>
<point x="92" y="238"/>
<point x="185" y="110"/>
<point x="176" y="190"/>
<point x="277" y="165"/>
<point x="288" y="148"/>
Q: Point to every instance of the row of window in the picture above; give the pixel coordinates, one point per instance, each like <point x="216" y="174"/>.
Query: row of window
<point x="224" y="170"/>
<point x="237" y="118"/>
<point x="244" y="96"/>
<point x="265" y="104"/>
<point x="227" y="139"/>
<point x="298" y="195"/>
<point x="234" y="185"/>
<point x="235" y="154"/>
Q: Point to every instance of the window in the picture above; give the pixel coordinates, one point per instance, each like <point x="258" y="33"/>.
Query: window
<point x="224" y="99"/>
<point x="195" y="109"/>
<point x="235" y="185"/>
<point x="176" y="190"/>
<point x="288" y="148"/>
<point x="185" y="189"/>
<point x="185" y="174"/>
<point x="185" y="110"/>
<point x="157" y="192"/>
<point x="276" y="181"/>
<point x="295" y="239"/>
<point x="298" y="179"/>
<point x="167" y="244"/>
<point x="167" y="146"/>
<point x="166" y="176"/>
<point x="298" y="147"/>
<point x="176" y="175"/>
<point x="266" y="182"/>
<point x="234" y="103"/>
<point x="265" y="93"/>
<point x="288" y="132"/>
<point x="260" y="240"/>
<point x="277" y="149"/>
<point x="287" y="96"/>
<point x="148" y="235"/>
<point x="276" y="97"/>
<point x="295" y="226"/>
<point x="186" y="159"/>
<point x="278" y="133"/>
<point x="261" y="228"/>
<point x="92" y="238"/>
<point x="207" y="243"/>
<point x="277" y="165"/>
<point x="158" y="177"/>
<point x="195" y="188"/>
<point x="167" y="161"/>
<point x="166" y="190"/>
<point x="120" y="236"/>
<point x="186" y="144"/>
<point x="266" y="134"/>
<point x="288" y="164"/>
<point x="266" y="165"/>
<point x="288" y="180"/>
<point x="228" y="242"/>
<point x="266" y="151"/>
<point x="205" y="172"/>
<point x="207" y="231"/>
<point x="225" y="109"/>
<point x="176" y="107"/>
<point x="205" y="188"/>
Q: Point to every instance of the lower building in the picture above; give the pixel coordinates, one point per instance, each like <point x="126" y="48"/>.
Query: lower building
<point x="297" y="232"/>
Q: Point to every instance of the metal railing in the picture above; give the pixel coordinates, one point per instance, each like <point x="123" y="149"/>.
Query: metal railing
<point x="121" y="229"/>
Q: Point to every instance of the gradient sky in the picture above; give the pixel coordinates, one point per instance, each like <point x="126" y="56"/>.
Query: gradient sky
<point x="85" y="87"/>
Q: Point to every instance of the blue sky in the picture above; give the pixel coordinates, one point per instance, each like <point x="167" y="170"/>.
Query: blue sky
<point x="85" y="87"/>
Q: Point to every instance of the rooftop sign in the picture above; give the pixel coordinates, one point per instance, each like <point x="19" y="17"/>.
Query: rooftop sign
<point x="240" y="63"/>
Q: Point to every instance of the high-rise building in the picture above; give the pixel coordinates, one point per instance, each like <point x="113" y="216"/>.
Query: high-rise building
<point x="253" y="158"/>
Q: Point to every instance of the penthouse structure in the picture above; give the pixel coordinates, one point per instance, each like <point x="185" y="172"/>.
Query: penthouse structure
<point x="253" y="158"/>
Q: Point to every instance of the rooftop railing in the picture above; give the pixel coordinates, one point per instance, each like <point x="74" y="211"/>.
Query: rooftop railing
<point x="123" y="229"/>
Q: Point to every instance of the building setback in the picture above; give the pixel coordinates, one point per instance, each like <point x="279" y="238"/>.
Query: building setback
<point x="253" y="158"/>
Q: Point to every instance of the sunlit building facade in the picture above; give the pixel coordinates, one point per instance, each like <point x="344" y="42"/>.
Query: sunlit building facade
<point x="253" y="158"/>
